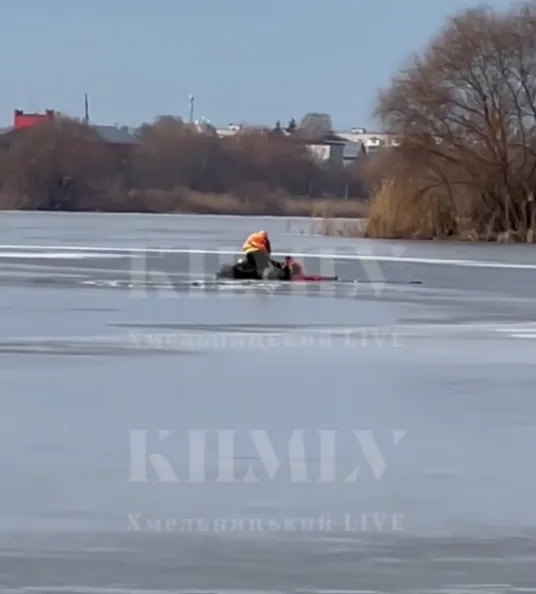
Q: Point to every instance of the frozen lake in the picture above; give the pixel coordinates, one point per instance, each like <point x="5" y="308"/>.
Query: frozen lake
<point x="427" y="389"/>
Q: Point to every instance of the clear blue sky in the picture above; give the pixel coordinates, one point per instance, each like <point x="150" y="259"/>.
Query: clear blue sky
<point x="252" y="61"/>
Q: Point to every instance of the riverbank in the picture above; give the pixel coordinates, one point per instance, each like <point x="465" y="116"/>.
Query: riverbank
<point x="188" y="202"/>
<point x="227" y="204"/>
<point x="171" y="168"/>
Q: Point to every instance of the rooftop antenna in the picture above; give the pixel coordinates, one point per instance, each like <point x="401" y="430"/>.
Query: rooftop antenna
<point x="86" y="109"/>
<point x="192" y="101"/>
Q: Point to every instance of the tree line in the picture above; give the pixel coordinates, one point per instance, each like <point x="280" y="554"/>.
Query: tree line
<point x="465" y="113"/>
<point x="173" y="166"/>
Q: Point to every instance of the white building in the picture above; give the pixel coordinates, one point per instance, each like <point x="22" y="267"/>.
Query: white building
<point x="372" y="141"/>
<point x="233" y="129"/>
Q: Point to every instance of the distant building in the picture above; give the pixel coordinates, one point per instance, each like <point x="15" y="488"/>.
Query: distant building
<point x="116" y="135"/>
<point x="234" y="129"/>
<point x="328" y="148"/>
<point x="231" y="130"/>
<point x="26" y="120"/>
<point x="371" y="141"/>
<point x="353" y="151"/>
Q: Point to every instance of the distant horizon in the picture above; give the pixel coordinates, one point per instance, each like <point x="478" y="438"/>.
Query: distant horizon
<point x="185" y="118"/>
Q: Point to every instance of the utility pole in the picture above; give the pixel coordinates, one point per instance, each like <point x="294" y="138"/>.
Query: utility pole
<point x="192" y="101"/>
<point x="86" y="109"/>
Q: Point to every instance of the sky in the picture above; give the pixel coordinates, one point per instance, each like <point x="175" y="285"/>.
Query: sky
<point x="245" y="61"/>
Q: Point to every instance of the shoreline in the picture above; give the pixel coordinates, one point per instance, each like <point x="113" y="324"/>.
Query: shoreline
<point x="225" y="205"/>
<point x="181" y="214"/>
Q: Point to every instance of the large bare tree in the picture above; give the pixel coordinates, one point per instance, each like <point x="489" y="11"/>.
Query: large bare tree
<point x="465" y="111"/>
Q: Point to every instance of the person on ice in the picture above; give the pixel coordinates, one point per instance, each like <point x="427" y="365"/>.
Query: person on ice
<point x="258" y="252"/>
<point x="258" y="255"/>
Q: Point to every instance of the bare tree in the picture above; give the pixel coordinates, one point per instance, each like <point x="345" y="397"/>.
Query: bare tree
<point x="66" y="165"/>
<point x="465" y="110"/>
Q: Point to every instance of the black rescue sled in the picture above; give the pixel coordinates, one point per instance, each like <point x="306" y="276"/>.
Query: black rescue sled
<point x="288" y="270"/>
<point x="242" y="271"/>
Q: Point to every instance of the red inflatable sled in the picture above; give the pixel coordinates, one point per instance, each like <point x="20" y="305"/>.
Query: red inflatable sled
<point x="298" y="273"/>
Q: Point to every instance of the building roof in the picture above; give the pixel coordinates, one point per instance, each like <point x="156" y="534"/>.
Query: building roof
<point x="325" y="139"/>
<point x="115" y="135"/>
<point x="333" y="138"/>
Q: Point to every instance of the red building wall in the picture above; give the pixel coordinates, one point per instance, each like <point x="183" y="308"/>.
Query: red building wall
<point x="26" y="120"/>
